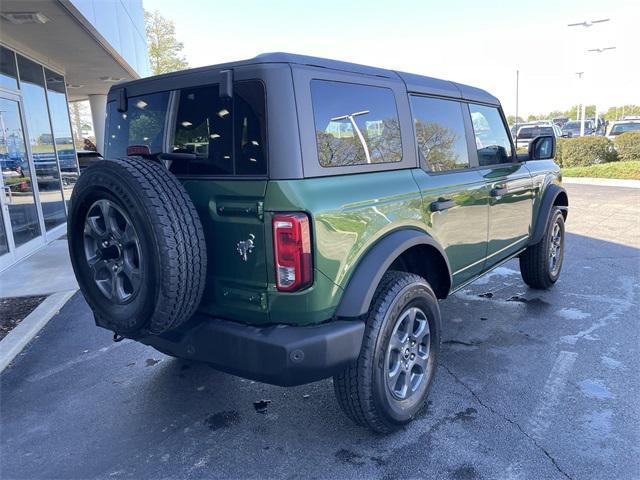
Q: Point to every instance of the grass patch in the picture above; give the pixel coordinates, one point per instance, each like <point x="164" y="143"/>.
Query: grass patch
<point x="626" y="170"/>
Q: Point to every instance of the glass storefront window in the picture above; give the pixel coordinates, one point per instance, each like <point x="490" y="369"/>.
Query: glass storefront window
<point x="17" y="186"/>
<point x="62" y="135"/>
<point x="32" y="86"/>
<point x="8" y="73"/>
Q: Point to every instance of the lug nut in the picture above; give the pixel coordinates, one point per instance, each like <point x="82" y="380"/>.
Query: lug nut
<point x="413" y="355"/>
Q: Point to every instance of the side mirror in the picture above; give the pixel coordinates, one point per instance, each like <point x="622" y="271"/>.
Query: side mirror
<point x="542" y="148"/>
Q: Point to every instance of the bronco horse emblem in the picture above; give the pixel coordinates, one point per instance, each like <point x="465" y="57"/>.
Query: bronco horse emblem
<point x="245" y="247"/>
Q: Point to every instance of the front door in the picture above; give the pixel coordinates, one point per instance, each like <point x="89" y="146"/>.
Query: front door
<point x="508" y="182"/>
<point x="21" y="223"/>
<point x="454" y="194"/>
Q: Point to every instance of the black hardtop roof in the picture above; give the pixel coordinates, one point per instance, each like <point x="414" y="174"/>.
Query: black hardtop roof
<point x="414" y="83"/>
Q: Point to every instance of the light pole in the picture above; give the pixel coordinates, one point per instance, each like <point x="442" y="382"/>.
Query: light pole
<point x="588" y="24"/>
<point x="598" y="51"/>
<point x="350" y="117"/>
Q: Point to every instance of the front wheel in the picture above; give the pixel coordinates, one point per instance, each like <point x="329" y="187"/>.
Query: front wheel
<point x="389" y="382"/>
<point x="540" y="264"/>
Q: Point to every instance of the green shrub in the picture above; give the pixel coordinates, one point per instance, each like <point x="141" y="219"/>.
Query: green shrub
<point x="585" y="151"/>
<point x="628" y="146"/>
<point x="560" y="143"/>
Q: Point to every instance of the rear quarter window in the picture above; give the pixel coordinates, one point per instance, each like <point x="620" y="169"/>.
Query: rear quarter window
<point x="355" y="124"/>
<point x="142" y="124"/>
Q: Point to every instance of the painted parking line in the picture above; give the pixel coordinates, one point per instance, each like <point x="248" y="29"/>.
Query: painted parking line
<point x="556" y="382"/>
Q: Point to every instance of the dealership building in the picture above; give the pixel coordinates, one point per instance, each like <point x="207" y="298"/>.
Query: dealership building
<point x="53" y="52"/>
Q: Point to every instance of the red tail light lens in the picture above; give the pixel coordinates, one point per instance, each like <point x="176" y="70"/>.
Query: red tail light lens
<point x="292" y="249"/>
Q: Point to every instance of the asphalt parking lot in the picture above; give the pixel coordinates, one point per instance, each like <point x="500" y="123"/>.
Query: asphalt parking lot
<point x="531" y="385"/>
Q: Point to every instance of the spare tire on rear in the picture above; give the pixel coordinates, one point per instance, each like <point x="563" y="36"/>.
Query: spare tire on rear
<point x="137" y="246"/>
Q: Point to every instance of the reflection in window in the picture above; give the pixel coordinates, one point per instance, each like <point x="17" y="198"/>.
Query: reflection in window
<point x="8" y="72"/>
<point x="62" y="131"/>
<point x="141" y="124"/>
<point x="492" y="139"/>
<point x="355" y="124"/>
<point x="41" y="141"/>
<point x="16" y="175"/>
<point x="227" y="136"/>
<point x="440" y="134"/>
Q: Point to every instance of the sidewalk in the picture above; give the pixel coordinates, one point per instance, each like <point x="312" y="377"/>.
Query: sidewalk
<point x="47" y="272"/>
<point x="603" y="182"/>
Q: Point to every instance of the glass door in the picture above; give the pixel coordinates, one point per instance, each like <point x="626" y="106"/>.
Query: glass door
<point x="21" y="225"/>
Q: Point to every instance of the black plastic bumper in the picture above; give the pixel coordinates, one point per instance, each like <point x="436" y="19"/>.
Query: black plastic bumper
<point x="281" y="355"/>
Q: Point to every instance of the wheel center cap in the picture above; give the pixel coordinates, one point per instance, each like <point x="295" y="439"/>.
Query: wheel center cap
<point x="111" y="251"/>
<point x="407" y="353"/>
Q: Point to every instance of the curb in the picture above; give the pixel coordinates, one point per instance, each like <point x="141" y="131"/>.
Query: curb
<point x="602" y="182"/>
<point x="23" y="333"/>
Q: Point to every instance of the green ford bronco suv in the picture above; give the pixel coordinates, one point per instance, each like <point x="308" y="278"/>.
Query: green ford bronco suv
<point x="290" y="218"/>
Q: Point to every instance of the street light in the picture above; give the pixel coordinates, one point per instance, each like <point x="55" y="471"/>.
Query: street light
<point x="598" y="51"/>
<point x="588" y="23"/>
<point x="350" y="117"/>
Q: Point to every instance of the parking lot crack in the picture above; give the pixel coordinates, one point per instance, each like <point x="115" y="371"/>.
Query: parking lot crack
<point x="493" y="411"/>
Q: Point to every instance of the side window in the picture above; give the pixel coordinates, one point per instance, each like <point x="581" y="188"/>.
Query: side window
<point x="227" y="136"/>
<point x="141" y="124"/>
<point x="440" y="135"/>
<point x="355" y="124"/>
<point x="492" y="139"/>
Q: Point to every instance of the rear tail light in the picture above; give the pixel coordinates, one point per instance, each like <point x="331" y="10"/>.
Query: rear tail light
<point x="292" y="249"/>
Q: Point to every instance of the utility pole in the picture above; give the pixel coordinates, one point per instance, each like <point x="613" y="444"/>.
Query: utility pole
<point x="517" y="94"/>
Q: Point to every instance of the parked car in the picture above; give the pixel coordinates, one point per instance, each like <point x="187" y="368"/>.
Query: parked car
<point x="528" y="133"/>
<point x="572" y="129"/>
<point x="333" y="205"/>
<point x="623" y="126"/>
<point x="561" y="121"/>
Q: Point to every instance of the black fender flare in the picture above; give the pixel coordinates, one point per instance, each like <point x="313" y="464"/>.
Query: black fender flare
<point x="546" y="205"/>
<point x="376" y="261"/>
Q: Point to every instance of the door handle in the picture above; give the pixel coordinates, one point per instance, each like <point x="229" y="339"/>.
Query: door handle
<point x="442" y="205"/>
<point x="499" y="191"/>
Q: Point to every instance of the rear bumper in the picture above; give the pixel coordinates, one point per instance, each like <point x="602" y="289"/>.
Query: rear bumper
<point x="281" y="355"/>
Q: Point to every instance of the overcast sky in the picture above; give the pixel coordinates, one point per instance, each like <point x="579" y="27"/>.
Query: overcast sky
<point x="478" y="42"/>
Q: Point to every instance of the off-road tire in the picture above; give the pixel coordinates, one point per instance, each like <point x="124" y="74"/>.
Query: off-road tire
<point x="535" y="260"/>
<point x="360" y="388"/>
<point x="170" y="240"/>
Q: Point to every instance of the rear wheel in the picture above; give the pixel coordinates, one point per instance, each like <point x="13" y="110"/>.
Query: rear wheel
<point x="390" y="381"/>
<point x="137" y="246"/>
<point x="540" y="264"/>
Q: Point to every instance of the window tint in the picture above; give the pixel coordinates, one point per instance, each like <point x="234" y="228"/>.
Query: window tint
<point x="41" y="140"/>
<point x="492" y="139"/>
<point x="439" y="129"/>
<point x="227" y="136"/>
<point x="8" y="72"/>
<point x="355" y="124"/>
<point x="141" y="124"/>
<point x="62" y="136"/>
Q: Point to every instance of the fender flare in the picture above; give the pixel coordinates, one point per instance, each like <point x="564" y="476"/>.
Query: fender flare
<point x="376" y="261"/>
<point x="544" y="212"/>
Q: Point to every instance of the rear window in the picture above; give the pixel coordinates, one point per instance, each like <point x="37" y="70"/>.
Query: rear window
<point x="625" y="127"/>
<point x="227" y="136"/>
<point x="533" y="132"/>
<point x="355" y="124"/>
<point x="142" y="124"/>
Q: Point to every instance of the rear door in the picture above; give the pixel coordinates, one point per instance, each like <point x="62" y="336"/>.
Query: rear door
<point x="508" y="182"/>
<point x="216" y="146"/>
<point x="219" y="149"/>
<point x="455" y="201"/>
